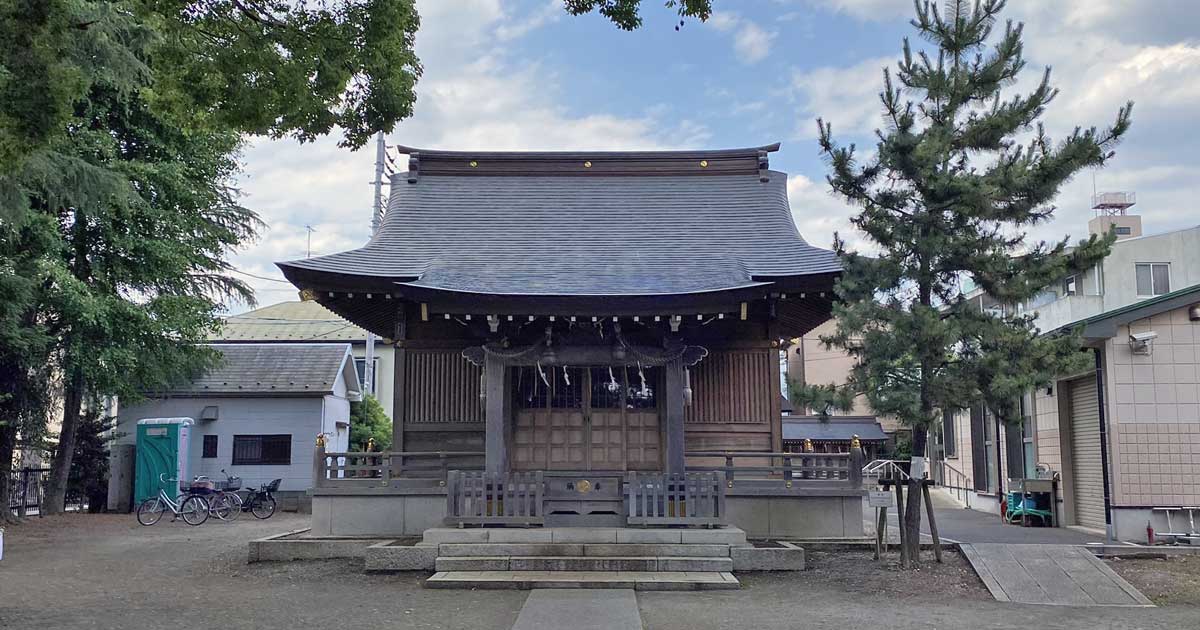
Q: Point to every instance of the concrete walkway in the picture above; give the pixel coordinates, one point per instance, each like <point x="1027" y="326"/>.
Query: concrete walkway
<point x="958" y="524"/>
<point x="580" y="609"/>
<point x="1050" y="574"/>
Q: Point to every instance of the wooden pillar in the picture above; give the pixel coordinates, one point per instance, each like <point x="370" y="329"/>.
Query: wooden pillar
<point x="673" y="416"/>
<point x="495" y="422"/>
<point x="399" y="387"/>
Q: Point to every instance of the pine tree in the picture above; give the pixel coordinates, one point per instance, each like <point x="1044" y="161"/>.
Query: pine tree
<point x="949" y="194"/>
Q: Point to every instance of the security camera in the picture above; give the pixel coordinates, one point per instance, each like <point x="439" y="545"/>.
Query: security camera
<point x="1142" y="343"/>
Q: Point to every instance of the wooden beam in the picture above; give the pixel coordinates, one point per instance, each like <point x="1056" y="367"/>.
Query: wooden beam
<point x="495" y="424"/>
<point x="673" y="417"/>
<point x="399" y="383"/>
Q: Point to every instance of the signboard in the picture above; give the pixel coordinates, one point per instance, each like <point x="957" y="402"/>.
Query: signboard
<point x="881" y="499"/>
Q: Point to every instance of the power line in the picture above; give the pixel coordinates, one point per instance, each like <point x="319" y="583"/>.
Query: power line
<point x="247" y="273"/>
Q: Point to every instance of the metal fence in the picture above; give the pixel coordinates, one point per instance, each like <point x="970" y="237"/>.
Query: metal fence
<point x="26" y="489"/>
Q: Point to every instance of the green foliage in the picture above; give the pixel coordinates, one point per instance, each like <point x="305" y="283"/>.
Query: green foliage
<point x="270" y="67"/>
<point x="950" y="193"/>
<point x="368" y="420"/>
<point x="89" y="465"/>
<point x="822" y="399"/>
<point x="626" y="14"/>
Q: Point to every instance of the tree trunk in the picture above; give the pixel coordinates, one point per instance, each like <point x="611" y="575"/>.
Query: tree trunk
<point x="8" y="444"/>
<point x="912" y="506"/>
<point x="60" y="469"/>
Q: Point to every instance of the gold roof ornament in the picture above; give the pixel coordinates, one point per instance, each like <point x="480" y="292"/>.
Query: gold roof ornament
<point x="808" y="445"/>
<point x="307" y="295"/>
<point x="854" y="441"/>
<point x="320" y="440"/>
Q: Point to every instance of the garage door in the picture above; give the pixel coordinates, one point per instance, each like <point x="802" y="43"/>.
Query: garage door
<point x="1086" y="464"/>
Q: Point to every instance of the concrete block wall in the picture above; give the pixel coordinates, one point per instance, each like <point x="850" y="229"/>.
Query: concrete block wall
<point x="1154" y="407"/>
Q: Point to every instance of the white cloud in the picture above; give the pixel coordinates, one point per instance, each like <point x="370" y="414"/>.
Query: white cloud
<point x="1103" y="53"/>
<point x="819" y="214"/>
<point x="475" y="94"/>
<point x="751" y="42"/>
<point x="848" y="98"/>
<point x="871" y="9"/>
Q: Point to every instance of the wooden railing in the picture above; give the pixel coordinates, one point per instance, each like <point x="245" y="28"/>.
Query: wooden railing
<point x="842" y="470"/>
<point x="362" y="468"/>
<point x="482" y="498"/>
<point x="696" y="498"/>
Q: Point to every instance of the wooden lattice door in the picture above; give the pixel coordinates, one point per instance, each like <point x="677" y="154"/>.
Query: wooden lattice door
<point x="585" y="419"/>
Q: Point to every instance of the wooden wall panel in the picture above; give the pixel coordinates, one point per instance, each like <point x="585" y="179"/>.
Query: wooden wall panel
<point x="441" y="387"/>
<point x="732" y="387"/>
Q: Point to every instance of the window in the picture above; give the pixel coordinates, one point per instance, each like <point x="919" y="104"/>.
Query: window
<point x="949" y="437"/>
<point x="1124" y="230"/>
<point x="262" y="449"/>
<point x="1019" y="444"/>
<point x="1068" y="286"/>
<point x="1153" y="278"/>
<point x="979" y="462"/>
<point x="360" y="365"/>
<point x="210" y="447"/>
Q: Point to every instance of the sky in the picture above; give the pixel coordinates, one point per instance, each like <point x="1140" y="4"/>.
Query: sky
<point x="524" y="75"/>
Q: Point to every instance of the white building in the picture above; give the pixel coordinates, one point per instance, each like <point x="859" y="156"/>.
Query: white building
<point x="257" y="415"/>
<point x="1124" y="437"/>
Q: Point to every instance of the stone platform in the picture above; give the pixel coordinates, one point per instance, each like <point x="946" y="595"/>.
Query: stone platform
<point x="584" y="557"/>
<point x="637" y="580"/>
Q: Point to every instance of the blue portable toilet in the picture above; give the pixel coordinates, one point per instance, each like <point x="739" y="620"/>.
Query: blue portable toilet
<point x="162" y="449"/>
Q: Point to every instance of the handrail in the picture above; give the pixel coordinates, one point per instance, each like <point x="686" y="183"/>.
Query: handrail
<point x="885" y="469"/>
<point x="824" y="468"/>
<point x="345" y="468"/>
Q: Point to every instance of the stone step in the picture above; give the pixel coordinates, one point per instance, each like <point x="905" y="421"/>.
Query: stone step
<point x="582" y="563"/>
<point x="638" y="580"/>
<point x="586" y="535"/>
<point x="595" y="550"/>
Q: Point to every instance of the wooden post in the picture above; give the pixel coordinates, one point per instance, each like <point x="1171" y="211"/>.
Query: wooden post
<point x="880" y="530"/>
<point x="495" y="431"/>
<point x="857" y="460"/>
<point x="319" y="462"/>
<point x="673" y="420"/>
<point x="900" y="519"/>
<point x="937" y="542"/>
<point x="399" y="387"/>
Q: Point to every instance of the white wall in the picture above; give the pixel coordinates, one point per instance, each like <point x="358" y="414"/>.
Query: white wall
<point x="299" y="417"/>
<point x="1116" y="285"/>
<point x="385" y="370"/>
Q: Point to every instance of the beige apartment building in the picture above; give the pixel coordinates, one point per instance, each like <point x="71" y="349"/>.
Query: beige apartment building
<point x="1123" y="438"/>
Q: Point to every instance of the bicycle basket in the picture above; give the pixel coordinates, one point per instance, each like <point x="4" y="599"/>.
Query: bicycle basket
<point x="273" y="486"/>
<point x="233" y="483"/>
<point x="202" y="485"/>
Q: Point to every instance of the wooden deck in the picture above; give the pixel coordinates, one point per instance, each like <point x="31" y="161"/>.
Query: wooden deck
<point x="1062" y="575"/>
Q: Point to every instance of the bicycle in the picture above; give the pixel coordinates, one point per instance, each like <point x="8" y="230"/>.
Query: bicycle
<point x="192" y="508"/>
<point x="222" y="503"/>
<point x="261" y="502"/>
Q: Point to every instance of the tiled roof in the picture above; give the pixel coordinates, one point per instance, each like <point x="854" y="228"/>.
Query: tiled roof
<point x="835" y="428"/>
<point x="289" y="321"/>
<point x="570" y="234"/>
<point x="272" y="368"/>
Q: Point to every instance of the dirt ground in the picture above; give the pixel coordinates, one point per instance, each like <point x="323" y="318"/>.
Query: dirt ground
<point x="857" y="571"/>
<point x="1166" y="581"/>
<point x="106" y="571"/>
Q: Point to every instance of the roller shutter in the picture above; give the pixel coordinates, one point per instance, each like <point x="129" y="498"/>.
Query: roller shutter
<point x="1086" y="465"/>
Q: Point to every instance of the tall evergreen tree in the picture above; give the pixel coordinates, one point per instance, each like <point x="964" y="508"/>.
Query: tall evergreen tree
<point x="120" y="122"/>
<point x="948" y="194"/>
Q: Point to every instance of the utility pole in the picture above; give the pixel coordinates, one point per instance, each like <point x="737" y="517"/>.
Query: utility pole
<point x="308" y="247"/>
<point x="368" y="383"/>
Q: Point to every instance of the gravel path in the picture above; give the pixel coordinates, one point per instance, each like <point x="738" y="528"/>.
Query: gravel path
<point x="106" y="571"/>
